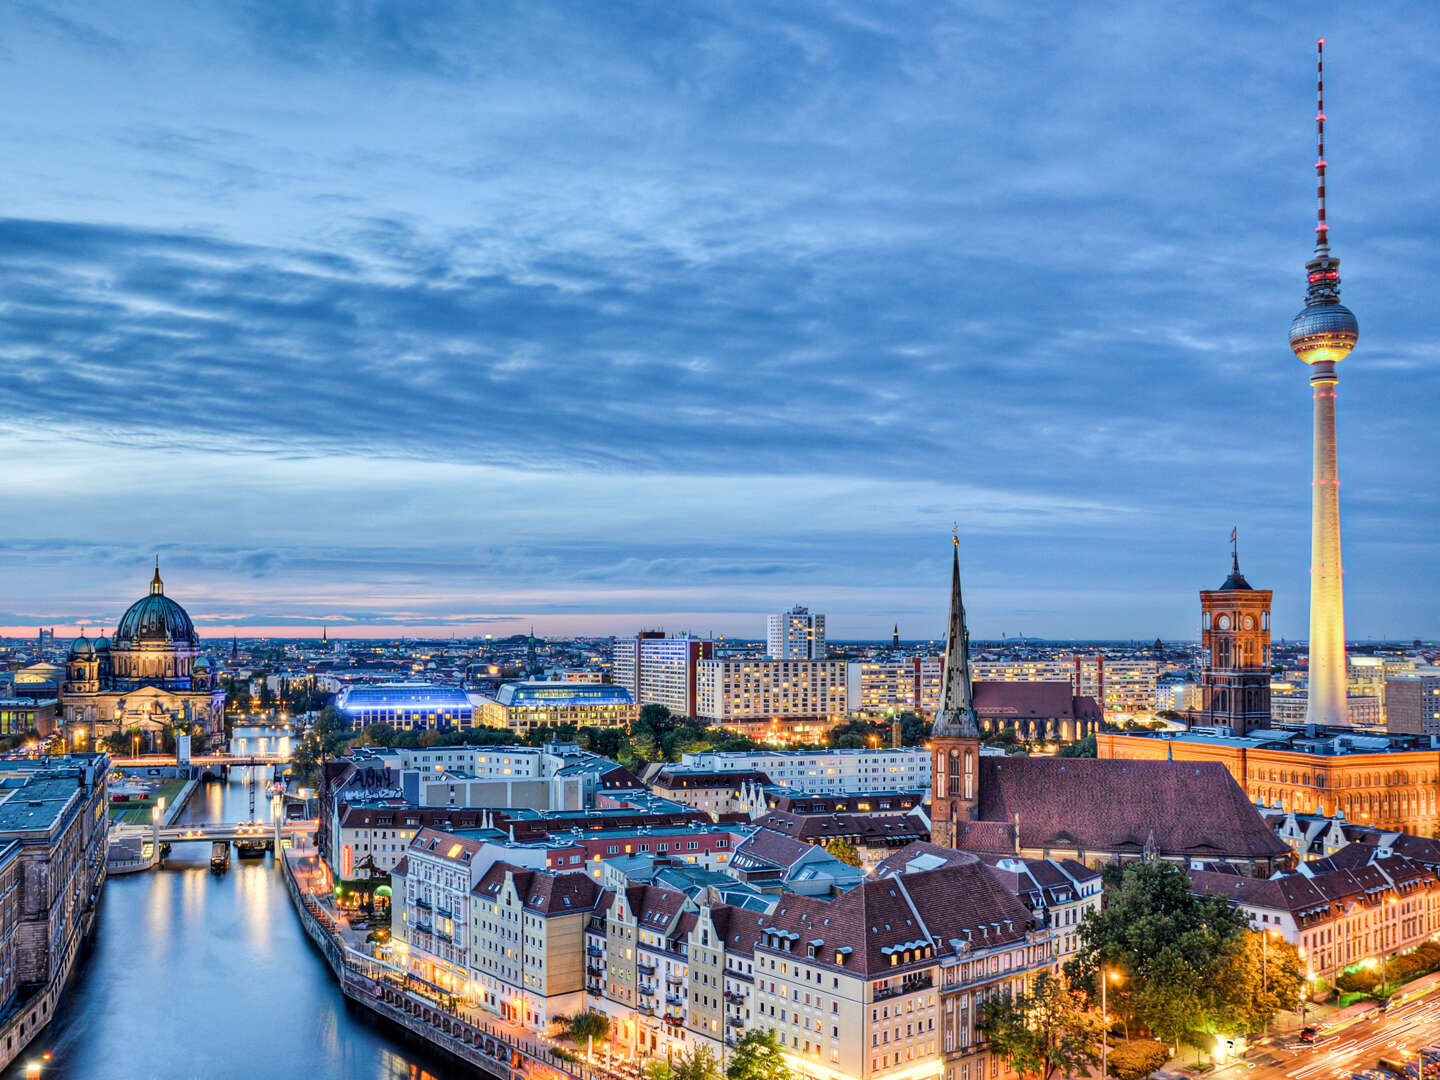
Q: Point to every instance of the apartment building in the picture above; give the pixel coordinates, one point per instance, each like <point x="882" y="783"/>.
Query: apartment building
<point x="824" y="771"/>
<point x="716" y="791"/>
<point x="797" y="634"/>
<point x="441" y="870"/>
<point x="741" y="692"/>
<point x="883" y="981"/>
<point x="660" y="670"/>
<point x="1412" y="703"/>
<point x="1356" y="905"/>
<point x="528" y="933"/>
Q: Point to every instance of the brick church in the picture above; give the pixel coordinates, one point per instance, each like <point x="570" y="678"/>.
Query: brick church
<point x="1094" y="810"/>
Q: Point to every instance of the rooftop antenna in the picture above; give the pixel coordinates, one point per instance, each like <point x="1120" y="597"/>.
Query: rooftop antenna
<point x="1322" y="230"/>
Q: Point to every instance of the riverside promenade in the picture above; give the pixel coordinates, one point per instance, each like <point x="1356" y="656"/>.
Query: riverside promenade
<point x="496" y="1048"/>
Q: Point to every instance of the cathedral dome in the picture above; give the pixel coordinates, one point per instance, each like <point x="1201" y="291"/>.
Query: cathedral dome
<point x="81" y="646"/>
<point x="155" y="619"/>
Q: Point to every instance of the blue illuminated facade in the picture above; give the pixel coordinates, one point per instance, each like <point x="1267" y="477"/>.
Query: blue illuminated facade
<point x="407" y="707"/>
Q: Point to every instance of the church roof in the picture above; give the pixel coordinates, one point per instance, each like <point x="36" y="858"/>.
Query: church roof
<point x="155" y="619"/>
<point x="1047" y="700"/>
<point x="1188" y="808"/>
<point x="956" y="715"/>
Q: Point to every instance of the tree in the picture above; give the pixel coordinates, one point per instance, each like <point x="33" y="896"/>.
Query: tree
<point x="1175" y="949"/>
<point x="1137" y="1059"/>
<point x="698" y="1064"/>
<point x="843" y="850"/>
<point x="758" y="1056"/>
<point x="1261" y="976"/>
<point x="1085" y="747"/>
<point x="588" y="1025"/>
<point x="1044" y="1030"/>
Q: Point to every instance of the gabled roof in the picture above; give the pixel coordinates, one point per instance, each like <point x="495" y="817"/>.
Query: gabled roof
<point x="768" y="848"/>
<point x="1190" y="808"/>
<point x="912" y="918"/>
<point x="541" y="892"/>
<point x="862" y="828"/>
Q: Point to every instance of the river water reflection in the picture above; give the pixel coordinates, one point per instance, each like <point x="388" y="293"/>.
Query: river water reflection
<point x="200" y="976"/>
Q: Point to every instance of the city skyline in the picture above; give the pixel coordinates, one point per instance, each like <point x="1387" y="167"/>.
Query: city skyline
<point x="324" y="337"/>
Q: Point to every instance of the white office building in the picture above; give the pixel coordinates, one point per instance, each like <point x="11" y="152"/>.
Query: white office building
<point x="820" y="771"/>
<point x="797" y="634"/>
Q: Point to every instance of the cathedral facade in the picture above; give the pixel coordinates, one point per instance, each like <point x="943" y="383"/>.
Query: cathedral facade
<point x="150" y="674"/>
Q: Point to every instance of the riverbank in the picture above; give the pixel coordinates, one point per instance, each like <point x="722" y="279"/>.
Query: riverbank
<point x="387" y="992"/>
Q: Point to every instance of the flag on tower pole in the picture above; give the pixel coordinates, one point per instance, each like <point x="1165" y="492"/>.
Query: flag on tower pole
<point x="1232" y="535"/>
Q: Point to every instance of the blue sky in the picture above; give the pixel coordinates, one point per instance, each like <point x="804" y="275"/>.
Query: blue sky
<point x="426" y="317"/>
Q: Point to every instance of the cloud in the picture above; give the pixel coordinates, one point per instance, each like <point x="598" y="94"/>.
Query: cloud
<point x="754" y="300"/>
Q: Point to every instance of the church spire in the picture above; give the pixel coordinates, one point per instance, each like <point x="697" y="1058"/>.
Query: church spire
<point x="956" y="717"/>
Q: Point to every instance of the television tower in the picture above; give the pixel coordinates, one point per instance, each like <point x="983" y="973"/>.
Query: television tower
<point x="1322" y="335"/>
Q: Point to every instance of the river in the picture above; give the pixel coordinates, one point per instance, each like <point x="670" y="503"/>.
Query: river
<point x="195" y="976"/>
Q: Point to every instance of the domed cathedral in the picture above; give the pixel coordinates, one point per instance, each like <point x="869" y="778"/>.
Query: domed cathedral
<point x="149" y="675"/>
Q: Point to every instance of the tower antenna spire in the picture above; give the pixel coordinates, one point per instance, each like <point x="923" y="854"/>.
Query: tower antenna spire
<point x="1322" y="229"/>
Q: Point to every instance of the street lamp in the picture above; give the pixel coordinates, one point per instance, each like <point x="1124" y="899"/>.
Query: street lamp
<point x="1105" y="976"/>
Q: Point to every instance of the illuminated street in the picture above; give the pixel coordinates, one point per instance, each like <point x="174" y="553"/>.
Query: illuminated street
<point x="1401" y="1031"/>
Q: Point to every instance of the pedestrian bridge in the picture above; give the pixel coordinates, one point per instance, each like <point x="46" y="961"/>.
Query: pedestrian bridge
<point x="232" y="831"/>
<point x="204" y="760"/>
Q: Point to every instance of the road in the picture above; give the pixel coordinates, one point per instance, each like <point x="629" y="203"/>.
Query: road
<point x="1402" y="1030"/>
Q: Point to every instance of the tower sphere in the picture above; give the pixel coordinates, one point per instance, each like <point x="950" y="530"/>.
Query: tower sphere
<point x="1323" y="332"/>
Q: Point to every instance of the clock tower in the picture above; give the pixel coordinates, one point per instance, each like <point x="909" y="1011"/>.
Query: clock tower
<point x="1235" y="633"/>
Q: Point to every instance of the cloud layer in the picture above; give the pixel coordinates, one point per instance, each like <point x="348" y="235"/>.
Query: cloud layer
<point x="459" y="316"/>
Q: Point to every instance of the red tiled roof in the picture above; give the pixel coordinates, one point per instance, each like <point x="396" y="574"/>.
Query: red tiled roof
<point x="864" y="829"/>
<point x="1192" y="808"/>
<point x="542" y="892"/>
<point x="933" y="912"/>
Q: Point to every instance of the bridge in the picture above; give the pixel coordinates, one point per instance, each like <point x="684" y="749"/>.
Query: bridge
<point x="156" y="760"/>
<point x="234" y="831"/>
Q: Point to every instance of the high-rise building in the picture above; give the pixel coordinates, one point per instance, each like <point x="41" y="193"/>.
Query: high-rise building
<point x="1322" y="335"/>
<point x="1412" y="703"/>
<point x="660" y="670"/>
<point x="753" y="691"/>
<point x="1235" y="633"/>
<point x="797" y="634"/>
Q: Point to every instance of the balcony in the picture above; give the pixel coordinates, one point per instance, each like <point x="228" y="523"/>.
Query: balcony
<point x="647" y="1010"/>
<point x="595" y="971"/>
<point x="734" y="1021"/>
<point x="445" y="913"/>
<point x="645" y="969"/>
<point x="424" y="928"/>
<point x="674" y="999"/>
<point x="594" y="950"/>
<point x="671" y="1018"/>
<point x="647" y="991"/>
<point x="734" y="997"/>
<point x="671" y="977"/>
<point x="907" y="985"/>
<point x="422" y="903"/>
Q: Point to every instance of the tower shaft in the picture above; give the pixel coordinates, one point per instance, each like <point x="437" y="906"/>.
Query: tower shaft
<point x="1328" y="697"/>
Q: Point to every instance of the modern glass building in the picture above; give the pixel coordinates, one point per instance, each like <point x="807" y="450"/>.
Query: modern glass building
<point x="407" y="706"/>
<point x="524" y="706"/>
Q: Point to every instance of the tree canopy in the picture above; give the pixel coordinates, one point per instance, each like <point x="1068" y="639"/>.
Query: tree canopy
<point x="1044" y="1030"/>
<point x="758" y="1056"/>
<point x="843" y="850"/>
<point x="1186" y="964"/>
